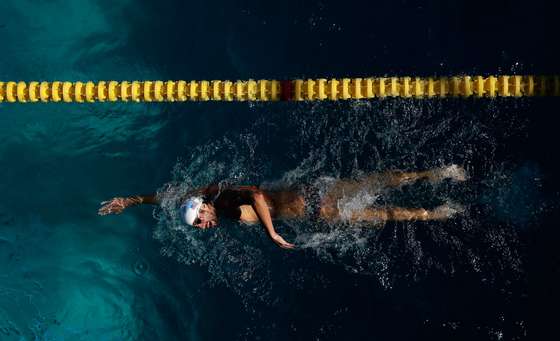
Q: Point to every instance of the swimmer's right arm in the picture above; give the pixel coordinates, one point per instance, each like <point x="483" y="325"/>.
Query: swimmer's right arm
<point x="118" y="204"/>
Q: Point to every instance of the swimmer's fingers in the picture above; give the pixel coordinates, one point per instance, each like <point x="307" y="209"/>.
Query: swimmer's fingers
<point x="285" y="245"/>
<point x="105" y="210"/>
<point x="109" y="210"/>
<point x="115" y="199"/>
<point x="113" y="206"/>
<point x="288" y="246"/>
<point x="282" y="243"/>
<point x="291" y="247"/>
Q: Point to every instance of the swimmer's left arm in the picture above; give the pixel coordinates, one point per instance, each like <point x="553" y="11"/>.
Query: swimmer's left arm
<point x="252" y="195"/>
<point x="261" y="208"/>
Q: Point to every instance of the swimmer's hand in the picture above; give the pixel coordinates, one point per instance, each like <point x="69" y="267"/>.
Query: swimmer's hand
<point x="117" y="205"/>
<point x="281" y="242"/>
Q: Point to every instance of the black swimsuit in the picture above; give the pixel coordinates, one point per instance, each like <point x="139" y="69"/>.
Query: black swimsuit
<point x="227" y="201"/>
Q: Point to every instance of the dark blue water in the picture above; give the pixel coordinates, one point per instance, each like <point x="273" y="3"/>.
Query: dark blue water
<point x="68" y="274"/>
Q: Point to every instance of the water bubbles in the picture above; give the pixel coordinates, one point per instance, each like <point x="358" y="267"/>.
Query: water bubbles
<point x="350" y="205"/>
<point x="140" y="267"/>
<point x="517" y="68"/>
<point x="318" y="143"/>
<point x="496" y="334"/>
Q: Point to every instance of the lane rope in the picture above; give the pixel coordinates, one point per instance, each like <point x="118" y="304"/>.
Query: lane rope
<point x="280" y="90"/>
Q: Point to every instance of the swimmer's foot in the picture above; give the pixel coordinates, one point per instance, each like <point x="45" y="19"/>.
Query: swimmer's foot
<point x="453" y="172"/>
<point x="446" y="211"/>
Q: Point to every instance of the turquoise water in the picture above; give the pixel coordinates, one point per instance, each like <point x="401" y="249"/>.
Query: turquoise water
<point x="69" y="274"/>
<point x="66" y="273"/>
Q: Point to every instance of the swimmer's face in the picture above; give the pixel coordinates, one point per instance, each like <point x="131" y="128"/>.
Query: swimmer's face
<point x="206" y="217"/>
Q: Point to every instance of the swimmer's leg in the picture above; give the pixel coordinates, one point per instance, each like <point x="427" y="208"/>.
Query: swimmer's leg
<point x="398" y="214"/>
<point x="377" y="181"/>
<point x="374" y="183"/>
<point x="398" y="178"/>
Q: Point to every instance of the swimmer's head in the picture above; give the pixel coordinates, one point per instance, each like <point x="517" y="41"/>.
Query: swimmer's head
<point x="197" y="213"/>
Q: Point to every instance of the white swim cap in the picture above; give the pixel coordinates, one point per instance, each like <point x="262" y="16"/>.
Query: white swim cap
<point x="190" y="208"/>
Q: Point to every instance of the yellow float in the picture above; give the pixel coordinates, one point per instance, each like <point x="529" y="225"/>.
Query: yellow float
<point x="277" y="90"/>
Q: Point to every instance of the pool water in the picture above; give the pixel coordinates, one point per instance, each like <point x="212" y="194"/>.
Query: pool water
<point x="68" y="274"/>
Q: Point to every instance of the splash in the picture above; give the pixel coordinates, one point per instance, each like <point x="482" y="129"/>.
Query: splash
<point x="327" y="141"/>
<point x="349" y="205"/>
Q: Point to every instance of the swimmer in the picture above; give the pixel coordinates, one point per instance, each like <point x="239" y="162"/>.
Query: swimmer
<point x="250" y="204"/>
